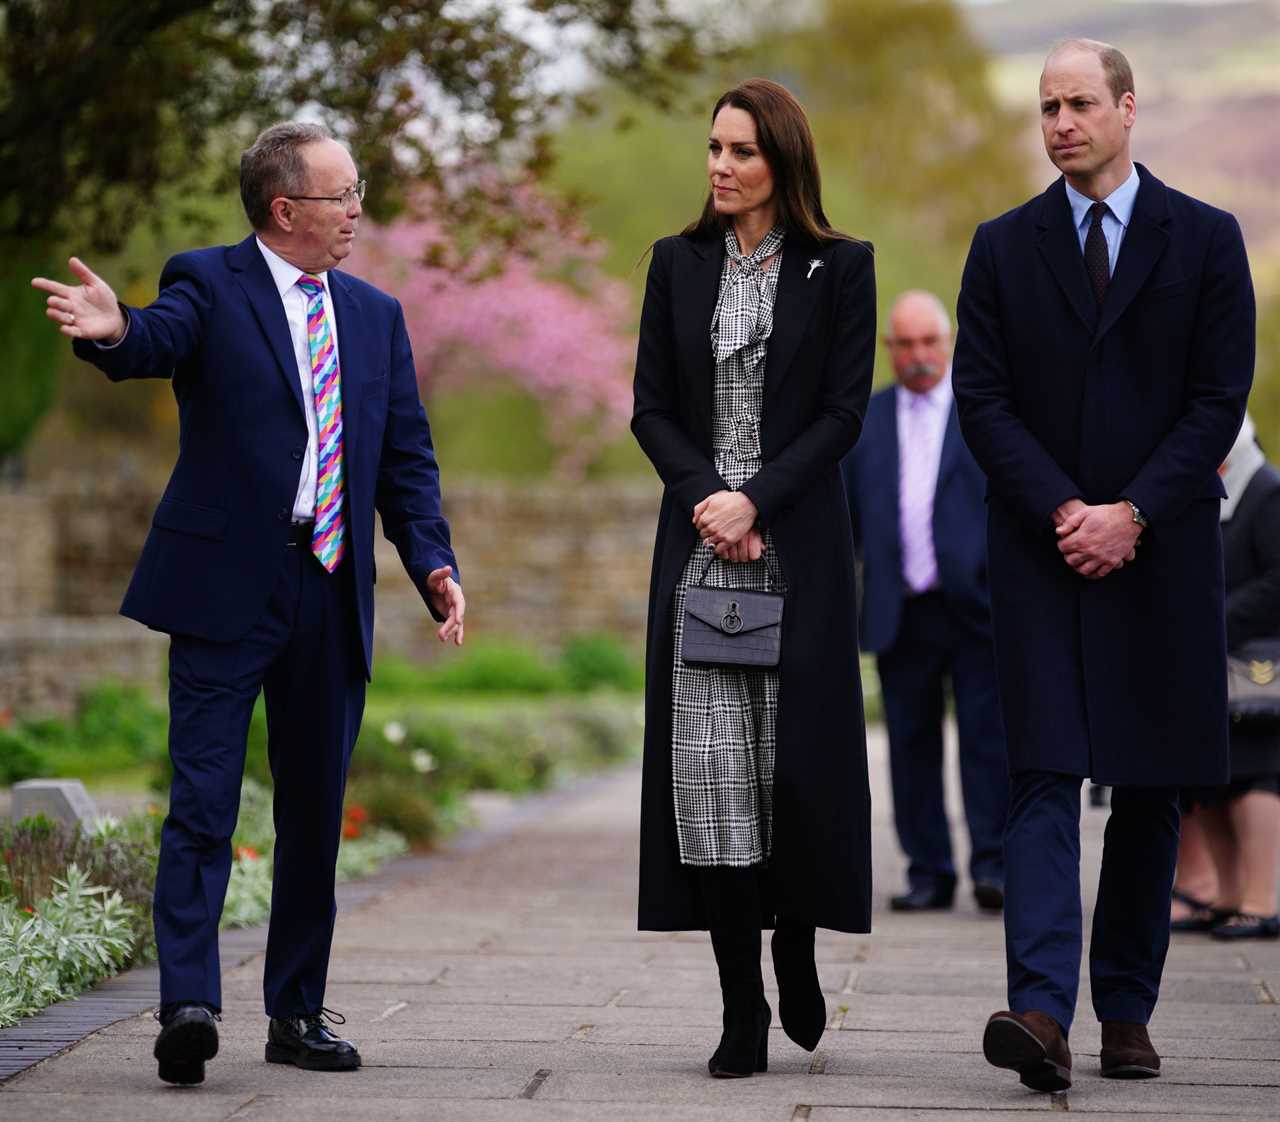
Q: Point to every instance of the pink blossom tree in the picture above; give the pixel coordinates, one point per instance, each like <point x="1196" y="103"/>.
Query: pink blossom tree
<point x="540" y="313"/>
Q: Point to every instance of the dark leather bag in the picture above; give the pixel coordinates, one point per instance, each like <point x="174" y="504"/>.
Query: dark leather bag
<point x="731" y="627"/>
<point x="1253" y="682"/>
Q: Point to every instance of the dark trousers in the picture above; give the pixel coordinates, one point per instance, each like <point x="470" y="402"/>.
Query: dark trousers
<point x="304" y="656"/>
<point x="1042" y="913"/>
<point x="934" y="643"/>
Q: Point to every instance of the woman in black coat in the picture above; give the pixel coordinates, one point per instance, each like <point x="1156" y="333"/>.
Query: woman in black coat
<point x="752" y="378"/>
<point x="1230" y="846"/>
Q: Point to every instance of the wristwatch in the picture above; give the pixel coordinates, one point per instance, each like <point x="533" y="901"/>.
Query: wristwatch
<point x="1138" y="516"/>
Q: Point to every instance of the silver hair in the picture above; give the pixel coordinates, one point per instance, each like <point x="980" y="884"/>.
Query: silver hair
<point x="273" y="166"/>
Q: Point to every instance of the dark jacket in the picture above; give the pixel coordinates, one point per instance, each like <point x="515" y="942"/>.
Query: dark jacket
<point x="959" y="531"/>
<point x="218" y="330"/>
<point x="1251" y="559"/>
<point x="817" y="379"/>
<point x="1124" y="678"/>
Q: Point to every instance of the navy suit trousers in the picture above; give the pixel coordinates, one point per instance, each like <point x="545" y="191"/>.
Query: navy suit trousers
<point x="934" y="642"/>
<point x="1042" y="911"/>
<point x="305" y="656"/>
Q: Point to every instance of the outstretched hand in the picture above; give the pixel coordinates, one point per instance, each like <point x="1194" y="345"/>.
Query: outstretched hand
<point x="448" y="601"/>
<point x="88" y="310"/>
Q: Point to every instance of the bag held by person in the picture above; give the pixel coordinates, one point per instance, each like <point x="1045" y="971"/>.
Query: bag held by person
<point x="731" y="626"/>
<point x="1253" y="682"/>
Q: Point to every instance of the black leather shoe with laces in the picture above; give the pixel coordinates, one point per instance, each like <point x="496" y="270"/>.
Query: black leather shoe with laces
<point x="307" y="1042"/>
<point x="188" y="1037"/>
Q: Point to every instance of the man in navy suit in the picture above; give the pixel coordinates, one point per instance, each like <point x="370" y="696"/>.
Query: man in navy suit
<point x="1104" y="359"/>
<point x="916" y="501"/>
<point x="299" y="416"/>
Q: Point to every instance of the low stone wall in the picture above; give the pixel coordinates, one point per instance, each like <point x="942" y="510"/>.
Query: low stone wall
<point x="46" y="663"/>
<point x="540" y="561"/>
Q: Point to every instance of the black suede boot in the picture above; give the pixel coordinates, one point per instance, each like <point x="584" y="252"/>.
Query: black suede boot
<point x="744" y="1046"/>
<point x="801" y="1006"/>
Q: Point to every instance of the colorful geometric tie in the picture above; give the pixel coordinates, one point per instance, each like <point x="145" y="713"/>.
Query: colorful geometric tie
<point x="329" y="539"/>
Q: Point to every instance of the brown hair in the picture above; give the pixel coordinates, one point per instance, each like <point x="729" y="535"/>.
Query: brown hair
<point x="1115" y="67"/>
<point x="786" y="143"/>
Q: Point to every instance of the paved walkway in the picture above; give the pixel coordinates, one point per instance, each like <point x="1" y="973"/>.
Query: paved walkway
<point x="509" y="984"/>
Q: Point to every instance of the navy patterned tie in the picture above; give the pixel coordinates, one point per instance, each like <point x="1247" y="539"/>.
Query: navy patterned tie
<point x="1097" y="260"/>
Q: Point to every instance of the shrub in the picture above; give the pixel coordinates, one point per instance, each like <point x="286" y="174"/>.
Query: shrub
<point x="76" y="936"/>
<point x="496" y="666"/>
<point x="592" y="661"/>
<point x="20" y="757"/>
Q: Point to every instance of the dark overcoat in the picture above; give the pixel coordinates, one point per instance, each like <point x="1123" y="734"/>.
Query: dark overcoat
<point x="871" y="478"/>
<point x="1121" y="679"/>
<point x="817" y="381"/>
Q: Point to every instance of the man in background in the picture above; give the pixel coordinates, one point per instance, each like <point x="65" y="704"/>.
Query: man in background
<point x="916" y="501"/>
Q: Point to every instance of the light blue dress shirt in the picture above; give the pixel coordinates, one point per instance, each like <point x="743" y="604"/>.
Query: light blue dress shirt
<point x="1114" y="223"/>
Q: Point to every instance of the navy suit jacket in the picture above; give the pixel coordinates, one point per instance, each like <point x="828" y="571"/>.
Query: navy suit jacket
<point x="959" y="525"/>
<point x="1122" y="679"/>
<point x="218" y="330"/>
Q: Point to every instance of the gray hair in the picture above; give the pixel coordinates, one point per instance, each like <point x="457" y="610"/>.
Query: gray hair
<point x="273" y="166"/>
<point x="1115" y="66"/>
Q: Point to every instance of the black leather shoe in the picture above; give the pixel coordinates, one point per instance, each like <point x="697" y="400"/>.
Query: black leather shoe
<point x="307" y="1042"/>
<point x="924" y="898"/>
<point x="989" y="895"/>
<point x="188" y="1037"/>
<point x="1245" y="925"/>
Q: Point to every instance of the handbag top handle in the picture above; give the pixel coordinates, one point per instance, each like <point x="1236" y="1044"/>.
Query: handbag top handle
<point x="766" y="557"/>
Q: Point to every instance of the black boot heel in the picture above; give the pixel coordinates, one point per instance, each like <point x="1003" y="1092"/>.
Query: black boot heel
<point x="801" y="1007"/>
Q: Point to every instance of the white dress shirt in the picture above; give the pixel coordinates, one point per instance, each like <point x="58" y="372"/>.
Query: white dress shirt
<point x="922" y="427"/>
<point x="295" y="312"/>
<point x="1114" y="223"/>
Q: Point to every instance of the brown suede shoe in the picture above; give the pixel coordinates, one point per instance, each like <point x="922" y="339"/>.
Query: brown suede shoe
<point x="1031" y="1044"/>
<point x="1127" y="1052"/>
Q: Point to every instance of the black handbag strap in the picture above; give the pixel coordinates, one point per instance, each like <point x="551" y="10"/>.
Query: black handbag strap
<point x="766" y="557"/>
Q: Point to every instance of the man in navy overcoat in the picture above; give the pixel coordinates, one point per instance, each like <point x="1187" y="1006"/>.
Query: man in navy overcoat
<point x="1104" y="358"/>
<point x="299" y="416"/>
<point x="916" y="503"/>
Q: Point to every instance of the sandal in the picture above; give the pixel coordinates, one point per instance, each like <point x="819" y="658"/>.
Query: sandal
<point x="1203" y="917"/>
<point x="1246" y="925"/>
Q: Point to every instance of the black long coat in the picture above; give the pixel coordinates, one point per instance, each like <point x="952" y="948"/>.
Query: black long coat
<point x="1122" y="679"/>
<point x="817" y="381"/>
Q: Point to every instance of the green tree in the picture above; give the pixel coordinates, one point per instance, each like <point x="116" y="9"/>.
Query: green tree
<point x="105" y="104"/>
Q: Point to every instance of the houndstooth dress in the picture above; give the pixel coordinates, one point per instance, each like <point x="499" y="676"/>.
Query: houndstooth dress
<point x="724" y="721"/>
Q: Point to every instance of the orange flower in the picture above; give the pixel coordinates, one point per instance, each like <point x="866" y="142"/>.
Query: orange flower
<point x="246" y="853"/>
<point x="357" y="814"/>
<point x="29" y="911"/>
<point x="350" y="830"/>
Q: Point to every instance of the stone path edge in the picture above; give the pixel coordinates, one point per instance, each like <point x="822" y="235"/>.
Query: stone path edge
<point x="65" y="1024"/>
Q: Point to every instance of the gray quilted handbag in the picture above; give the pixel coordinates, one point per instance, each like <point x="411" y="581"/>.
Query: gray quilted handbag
<point x="1253" y="683"/>
<point x="731" y="627"/>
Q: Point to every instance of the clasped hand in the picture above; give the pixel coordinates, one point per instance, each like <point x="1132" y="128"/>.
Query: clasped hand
<point x="726" y="520"/>
<point x="1096" y="540"/>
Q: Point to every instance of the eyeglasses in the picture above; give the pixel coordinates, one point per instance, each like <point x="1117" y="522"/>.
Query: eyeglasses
<point x="350" y="195"/>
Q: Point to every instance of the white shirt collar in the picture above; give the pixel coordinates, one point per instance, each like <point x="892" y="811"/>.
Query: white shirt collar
<point x="1119" y="202"/>
<point x="934" y="398"/>
<point x="284" y="274"/>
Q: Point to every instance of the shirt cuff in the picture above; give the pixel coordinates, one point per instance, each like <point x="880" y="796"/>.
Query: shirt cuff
<point x="123" y="335"/>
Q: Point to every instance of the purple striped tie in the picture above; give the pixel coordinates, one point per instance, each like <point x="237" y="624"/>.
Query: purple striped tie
<point x="329" y="539"/>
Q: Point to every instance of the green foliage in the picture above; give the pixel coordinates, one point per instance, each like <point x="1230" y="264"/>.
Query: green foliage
<point x="76" y="936"/>
<point x="29" y="342"/>
<point x="1264" y="402"/>
<point x="594" y="661"/>
<point x="20" y="757"/>
<point x="117" y="728"/>
<point x="496" y="666"/>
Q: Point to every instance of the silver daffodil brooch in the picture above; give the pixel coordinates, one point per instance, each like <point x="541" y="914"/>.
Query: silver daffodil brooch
<point x="816" y="263"/>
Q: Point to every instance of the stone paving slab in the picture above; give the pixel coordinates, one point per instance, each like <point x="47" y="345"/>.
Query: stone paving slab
<point x="509" y="984"/>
